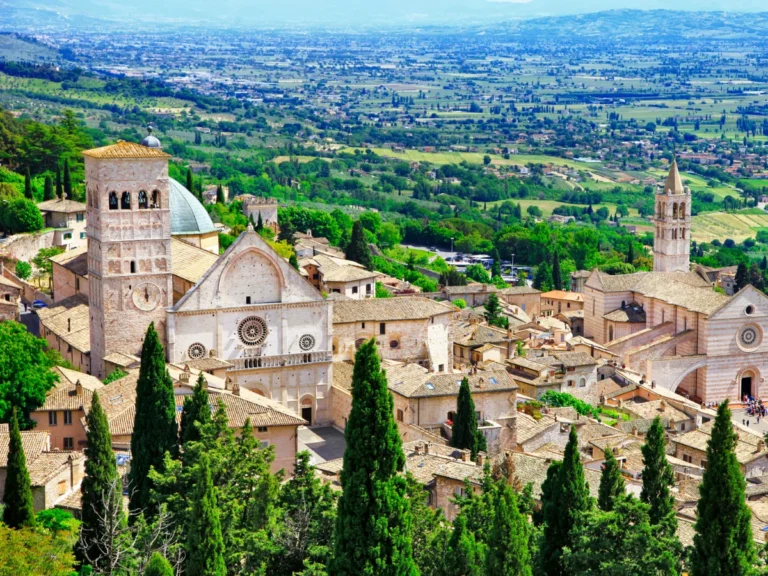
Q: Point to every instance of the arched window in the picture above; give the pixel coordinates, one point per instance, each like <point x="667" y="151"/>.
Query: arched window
<point x="125" y="201"/>
<point x="143" y="200"/>
<point x="610" y="333"/>
<point x="582" y="382"/>
<point x="682" y="233"/>
<point x="674" y="234"/>
<point x="133" y="267"/>
<point x="113" y="200"/>
<point x="674" y="211"/>
<point x="155" y="199"/>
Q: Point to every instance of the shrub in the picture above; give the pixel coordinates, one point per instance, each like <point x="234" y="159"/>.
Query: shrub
<point x="21" y="215"/>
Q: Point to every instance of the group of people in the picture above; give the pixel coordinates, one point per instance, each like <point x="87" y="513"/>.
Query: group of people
<point x="754" y="407"/>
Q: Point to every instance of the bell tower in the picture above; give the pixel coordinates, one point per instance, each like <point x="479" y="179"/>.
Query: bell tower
<point x="672" y="238"/>
<point x="129" y="247"/>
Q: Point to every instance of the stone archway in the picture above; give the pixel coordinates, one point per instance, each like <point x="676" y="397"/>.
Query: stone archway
<point x="748" y="382"/>
<point x="307" y="407"/>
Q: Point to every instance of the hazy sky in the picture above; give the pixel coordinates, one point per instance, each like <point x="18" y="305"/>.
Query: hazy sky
<point x="308" y="12"/>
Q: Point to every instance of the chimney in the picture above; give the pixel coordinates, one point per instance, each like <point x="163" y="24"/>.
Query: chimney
<point x="228" y="383"/>
<point x="760" y="445"/>
<point x="634" y="431"/>
<point x="184" y="376"/>
<point x="464" y="455"/>
<point x="418" y="449"/>
<point x="236" y="389"/>
<point x="480" y="459"/>
<point x="78" y="388"/>
<point x="662" y="406"/>
<point x="426" y="448"/>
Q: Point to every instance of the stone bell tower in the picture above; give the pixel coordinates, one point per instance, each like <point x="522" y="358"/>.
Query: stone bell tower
<point x="129" y="246"/>
<point x="672" y="238"/>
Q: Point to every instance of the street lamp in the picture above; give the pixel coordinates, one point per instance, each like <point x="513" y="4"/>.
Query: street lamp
<point x="451" y="246"/>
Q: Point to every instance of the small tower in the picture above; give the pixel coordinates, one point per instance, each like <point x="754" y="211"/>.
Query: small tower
<point x="672" y="238"/>
<point x="129" y="247"/>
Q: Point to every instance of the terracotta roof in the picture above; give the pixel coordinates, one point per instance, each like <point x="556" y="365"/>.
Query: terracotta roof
<point x="73" y="376"/>
<point x="49" y="464"/>
<point x="629" y="313"/>
<point x="655" y="408"/>
<point x="749" y="446"/>
<point x="190" y="262"/>
<point x="123" y="360"/>
<point x="65" y="397"/>
<point x="76" y="261"/>
<point x="70" y="321"/>
<point x="563" y="295"/>
<point x="125" y="150"/>
<point x="528" y="427"/>
<point x="574" y="359"/>
<point x="408" y="383"/>
<point x="340" y="270"/>
<point x="514" y="290"/>
<point x="478" y="334"/>
<point x="34" y="443"/>
<point x="388" y="309"/>
<point x="208" y="364"/>
<point x="472" y="288"/>
<point x="64" y="206"/>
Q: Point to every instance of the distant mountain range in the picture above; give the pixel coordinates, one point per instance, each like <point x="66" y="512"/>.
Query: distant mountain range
<point x="533" y="15"/>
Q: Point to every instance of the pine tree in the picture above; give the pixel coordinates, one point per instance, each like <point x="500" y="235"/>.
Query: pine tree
<point x="260" y="224"/>
<point x="658" y="477"/>
<point x="196" y="413"/>
<point x="465" y="434"/>
<point x="67" y="180"/>
<point x="357" y="249"/>
<point x="509" y="552"/>
<point x="59" y="185"/>
<point x="158" y="566"/>
<point x="464" y="555"/>
<point x="631" y="253"/>
<point x="611" y="483"/>
<point x="496" y="267"/>
<point x="764" y="263"/>
<point x="28" y="186"/>
<point x="722" y="544"/>
<point x="205" y="545"/>
<point x="373" y="524"/>
<point x="19" y="507"/>
<point x="742" y="277"/>
<point x="565" y="496"/>
<point x="220" y="195"/>
<point x="101" y="487"/>
<point x="48" y="189"/>
<point x="190" y="182"/>
<point x="557" y="278"/>
<point x="154" y="428"/>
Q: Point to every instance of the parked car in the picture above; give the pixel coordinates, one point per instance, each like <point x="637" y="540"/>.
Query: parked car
<point x="37" y="304"/>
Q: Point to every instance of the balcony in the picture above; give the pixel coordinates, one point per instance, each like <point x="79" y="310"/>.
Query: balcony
<point x="280" y="360"/>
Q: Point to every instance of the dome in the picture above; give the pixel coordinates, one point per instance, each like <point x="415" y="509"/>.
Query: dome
<point x="187" y="213"/>
<point x="150" y="141"/>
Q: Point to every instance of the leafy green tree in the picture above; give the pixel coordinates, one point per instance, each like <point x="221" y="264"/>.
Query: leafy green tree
<point x="28" y="186"/>
<point x="158" y="566"/>
<point x="565" y="497"/>
<point x="205" y="544"/>
<point x="33" y="552"/>
<point x="196" y="412"/>
<point x="509" y="551"/>
<point x="464" y="556"/>
<point x="452" y="278"/>
<point x="59" y="184"/>
<point x="520" y="349"/>
<point x="67" y="180"/>
<point x="658" y="478"/>
<point x="542" y="279"/>
<point x="373" y="525"/>
<point x="154" y="430"/>
<point x="19" y="507"/>
<point x="722" y="544"/>
<point x="430" y="530"/>
<point x="21" y="215"/>
<point x="493" y="312"/>
<point x="620" y="541"/>
<point x="557" y="278"/>
<point x="23" y="269"/>
<point x="611" y="483"/>
<point x="477" y="273"/>
<point x="25" y="372"/>
<point x="358" y="249"/>
<point x="465" y="434"/>
<point x="115" y="375"/>
<point x="101" y="488"/>
<point x="48" y="188"/>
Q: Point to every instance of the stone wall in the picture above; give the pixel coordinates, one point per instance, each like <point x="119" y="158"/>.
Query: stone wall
<point x="26" y="246"/>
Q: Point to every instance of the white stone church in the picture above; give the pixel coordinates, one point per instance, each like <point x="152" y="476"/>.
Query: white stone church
<point x="251" y="309"/>
<point x="670" y="325"/>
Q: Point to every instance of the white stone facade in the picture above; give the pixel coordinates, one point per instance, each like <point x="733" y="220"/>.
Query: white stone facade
<point x="672" y="236"/>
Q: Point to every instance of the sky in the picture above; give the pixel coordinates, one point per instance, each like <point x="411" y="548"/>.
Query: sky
<point x="361" y="12"/>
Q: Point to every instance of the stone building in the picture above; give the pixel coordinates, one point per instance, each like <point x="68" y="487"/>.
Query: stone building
<point x="672" y="234"/>
<point x="255" y="206"/>
<point x="571" y="372"/>
<point x="10" y="294"/>
<point x="67" y="217"/>
<point x="556" y="302"/>
<point x="66" y="328"/>
<point x="411" y="328"/>
<point x="750" y="449"/>
<point x="334" y="275"/>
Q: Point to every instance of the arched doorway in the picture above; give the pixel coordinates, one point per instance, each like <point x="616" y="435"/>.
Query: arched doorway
<point x="307" y="406"/>
<point x="748" y="380"/>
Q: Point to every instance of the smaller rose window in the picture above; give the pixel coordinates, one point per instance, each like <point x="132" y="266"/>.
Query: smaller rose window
<point x="196" y="351"/>
<point x="307" y="342"/>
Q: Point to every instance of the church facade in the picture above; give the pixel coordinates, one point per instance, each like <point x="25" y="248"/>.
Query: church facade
<point x="670" y="325"/>
<point x="250" y="309"/>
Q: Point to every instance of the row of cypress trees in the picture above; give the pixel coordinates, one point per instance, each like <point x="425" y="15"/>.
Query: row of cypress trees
<point x="63" y="184"/>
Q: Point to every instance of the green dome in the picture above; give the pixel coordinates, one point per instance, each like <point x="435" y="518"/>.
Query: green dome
<point x="187" y="213"/>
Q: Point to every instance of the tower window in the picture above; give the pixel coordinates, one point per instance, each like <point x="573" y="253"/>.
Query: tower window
<point x="133" y="267"/>
<point x="113" y="200"/>
<point x="143" y="200"/>
<point x="125" y="201"/>
<point x="155" y="199"/>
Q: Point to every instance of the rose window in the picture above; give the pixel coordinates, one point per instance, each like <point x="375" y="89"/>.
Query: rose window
<point x="307" y="342"/>
<point x="196" y="351"/>
<point x="252" y="331"/>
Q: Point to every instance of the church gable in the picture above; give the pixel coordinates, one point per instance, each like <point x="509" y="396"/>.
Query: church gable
<point x="249" y="272"/>
<point x="748" y="303"/>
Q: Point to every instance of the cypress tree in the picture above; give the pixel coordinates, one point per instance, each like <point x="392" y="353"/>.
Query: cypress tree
<point x="158" y="566"/>
<point x="465" y="434"/>
<point x="19" y="507"/>
<point x="722" y="544"/>
<point x="742" y="277"/>
<point x="357" y="249"/>
<point x="260" y="224"/>
<point x="658" y="477"/>
<point x="557" y="278"/>
<point x="764" y="263"/>
<point x="564" y="500"/>
<point x="190" y="183"/>
<point x="154" y="429"/>
<point x="48" y="188"/>
<point x="67" y="180"/>
<point x="101" y="488"/>
<point x="631" y="252"/>
<point x="373" y="523"/>
<point x="205" y="544"/>
<point x="59" y="186"/>
<point x="509" y="552"/>
<point x="28" y="186"/>
<point x="294" y="261"/>
<point x="611" y="483"/>
<point x="220" y="195"/>
<point x="464" y="555"/>
<point x="496" y="267"/>
<point x="197" y="409"/>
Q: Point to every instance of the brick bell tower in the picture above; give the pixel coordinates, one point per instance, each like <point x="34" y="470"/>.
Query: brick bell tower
<point x="672" y="237"/>
<point x="129" y="246"/>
